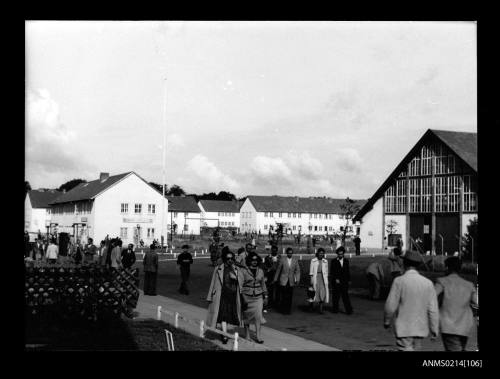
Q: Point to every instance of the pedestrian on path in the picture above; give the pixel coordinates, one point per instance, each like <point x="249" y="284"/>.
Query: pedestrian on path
<point x="459" y="298"/>
<point x="184" y="261"/>
<point x="318" y="271"/>
<point x="224" y="295"/>
<point x="271" y="263"/>
<point x="254" y="294"/>
<point x="412" y="303"/>
<point x="150" y="271"/>
<point x="288" y="276"/>
<point x="341" y="277"/>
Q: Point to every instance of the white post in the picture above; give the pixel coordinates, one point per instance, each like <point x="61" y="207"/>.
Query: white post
<point x="300" y="257"/>
<point x="350" y="255"/>
<point x="158" y="313"/>
<point x="235" y="346"/>
<point x="202" y="325"/>
<point x="175" y="255"/>
<point x="195" y="253"/>
<point x="176" y="319"/>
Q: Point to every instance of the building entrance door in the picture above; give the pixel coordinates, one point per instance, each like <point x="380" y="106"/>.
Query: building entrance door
<point x="447" y="233"/>
<point x="420" y="231"/>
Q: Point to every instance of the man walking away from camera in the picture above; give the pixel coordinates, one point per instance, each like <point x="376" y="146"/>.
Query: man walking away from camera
<point x="412" y="303"/>
<point x="459" y="298"/>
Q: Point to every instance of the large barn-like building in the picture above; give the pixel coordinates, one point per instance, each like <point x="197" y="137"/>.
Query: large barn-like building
<point x="429" y="199"/>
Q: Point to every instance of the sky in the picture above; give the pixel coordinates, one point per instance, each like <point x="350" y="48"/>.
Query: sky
<point x="253" y="108"/>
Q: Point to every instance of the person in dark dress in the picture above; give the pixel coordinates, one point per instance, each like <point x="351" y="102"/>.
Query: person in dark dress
<point x="128" y="256"/>
<point x="357" y="245"/>
<point x="184" y="261"/>
<point x="340" y="275"/>
<point x="224" y="295"/>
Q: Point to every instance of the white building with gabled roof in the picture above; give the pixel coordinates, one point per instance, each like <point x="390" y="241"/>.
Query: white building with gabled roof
<point x="220" y="213"/>
<point x="124" y="206"/>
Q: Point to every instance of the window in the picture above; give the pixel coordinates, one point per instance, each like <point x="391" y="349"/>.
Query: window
<point x="320" y="215"/>
<point x="315" y="228"/>
<point x="315" y="215"/>
<point x="123" y="233"/>
<point x="415" y="195"/>
<point x="232" y="214"/>
<point x="186" y="214"/>
<point x="186" y="227"/>
<point x="310" y="227"/>
<point x="289" y="215"/>
<point x="299" y="215"/>
<point x="427" y="153"/>
<point x="426" y="189"/>
<point x="280" y="214"/>
<point x="320" y="228"/>
<point x="330" y="228"/>
<point x="294" y="215"/>
<point x="295" y="227"/>
<point x="138" y="208"/>
<point x="470" y="194"/>
<point x="175" y="214"/>
<point x="271" y="214"/>
<point x="232" y="223"/>
<point x="265" y="227"/>
<point x="265" y="214"/>
<point x="151" y="208"/>
<point x="415" y="167"/>
<point x="326" y="216"/>
<point x="218" y="214"/>
<point x="151" y="232"/>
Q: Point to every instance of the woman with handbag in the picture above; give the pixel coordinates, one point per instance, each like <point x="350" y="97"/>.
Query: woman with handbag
<point x="254" y="294"/>
<point x="224" y="294"/>
<point x="318" y="272"/>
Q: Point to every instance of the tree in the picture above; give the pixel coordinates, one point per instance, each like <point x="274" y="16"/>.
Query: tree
<point x="391" y="227"/>
<point x="27" y="187"/>
<point x="226" y="196"/>
<point x="68" y="186"/>
<point x="470" y="242"/>
<point x="348" y="209"/>
<point x="175" y="190"/>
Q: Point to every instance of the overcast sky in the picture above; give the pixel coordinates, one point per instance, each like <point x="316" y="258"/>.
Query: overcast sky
<point x="254" y="108"/>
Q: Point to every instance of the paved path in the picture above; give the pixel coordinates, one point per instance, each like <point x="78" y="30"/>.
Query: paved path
<point x="273" y="339"/>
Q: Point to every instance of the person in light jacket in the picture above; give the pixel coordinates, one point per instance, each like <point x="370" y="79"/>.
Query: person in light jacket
<point x="459" y="297"/>
<point x="224" y="303"/>
<point x="288" y="276"/>
<point x="412" y="303"/>
<point x="318" y="271"/>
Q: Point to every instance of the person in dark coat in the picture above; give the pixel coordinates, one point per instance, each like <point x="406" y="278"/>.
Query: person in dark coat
<point x="184" y="261"/>
<point x="340" y="278"/>
<point x="150" y="271"/>
<point x="27" y="247"/>
<point x="270" y="266"/>
<point x="128" y="256"/>
<point x="357" y="245"/>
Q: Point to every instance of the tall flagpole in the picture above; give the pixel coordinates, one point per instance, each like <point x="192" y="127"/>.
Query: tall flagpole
<point x="163" y="157"/>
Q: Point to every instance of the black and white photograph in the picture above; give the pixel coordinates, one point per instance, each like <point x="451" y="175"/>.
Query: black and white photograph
<point x="251" y="186"/>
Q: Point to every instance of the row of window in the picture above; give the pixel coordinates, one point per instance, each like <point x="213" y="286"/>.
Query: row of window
<point x="136" y="232"/>
<point x="225" y="214"/>
<point x="326" y="216"/>
<point x="447" y="195"/>
<point x="316" y="228"/>
<point x="443" y="159"/>
<point x="226" y="223"/>
<point x="78" y="208"/>
<point x="137" y="208"/>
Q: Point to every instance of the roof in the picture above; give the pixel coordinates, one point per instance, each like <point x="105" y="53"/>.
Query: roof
<point x="41" y="199"/>
<point x="463" y="144"/>
<point x="221" y="206"/>
<point x="89" y="190"/>
<point x="182" y="204"/>
<point x="299" y="204"/>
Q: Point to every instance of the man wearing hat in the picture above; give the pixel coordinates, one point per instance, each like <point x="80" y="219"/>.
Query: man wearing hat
<point x="412" y="302"/>
<point x="184" y="261"/>
<point x="459" y="296"/>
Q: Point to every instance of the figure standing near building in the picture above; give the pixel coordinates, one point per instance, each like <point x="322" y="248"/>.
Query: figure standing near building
<point x="459" y="298"/>
<point x="27" y="246"/>
<point x="341" y="277"/>
<point x="184" y="261"/>
<point x="38" y="250"/>
<point x="224" y="301"/>
<point x="90" y="252"/>
<point x="396" y="262"/>
<point x="412" y="303"/>
<point x="254" y="295"/>
<point x="52" y="251"/>
<point x="271" y="262"/>
<point x="128" y="256"/>
<point x="288" y="276"/>
<point x="318" y="271"/>
<point x="357" y="244"/>
<point x="375" y="276"/>
<point x="116" y="254"/>
<point x="150" y="271"/>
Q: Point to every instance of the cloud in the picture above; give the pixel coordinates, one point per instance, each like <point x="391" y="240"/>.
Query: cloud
<point x="349" y="159"/>
<point x="175" y="141"/>
<point x="52" y="151"/>
<point x="207" y="174"/>
<point x="272" y="170"/>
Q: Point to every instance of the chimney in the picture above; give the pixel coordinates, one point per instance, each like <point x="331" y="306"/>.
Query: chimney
<point x="103" y="176"/>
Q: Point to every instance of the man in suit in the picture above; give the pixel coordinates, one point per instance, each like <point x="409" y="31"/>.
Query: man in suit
<point x="184" y="261"/>
<point x="288" y="275"/>
<point x="340" y="278"/>
<point x="150" y="271"/>
<point x="459" y="297"/>
<point x="412" y="302"/>
<point x="271" y="263"/>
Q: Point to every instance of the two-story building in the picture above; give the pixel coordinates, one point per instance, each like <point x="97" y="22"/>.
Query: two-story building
<point x="219" y="213"/>
<point x="37" y="212"/>
<point x="299" y="215"/>
<point x="429" y="198"/>
<point x="183" y="215"/>
<point x="124" y="206"/>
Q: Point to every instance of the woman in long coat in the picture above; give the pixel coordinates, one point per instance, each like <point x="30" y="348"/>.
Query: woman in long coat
<point x="224" y="294"/>
<point x="318" y="271"/>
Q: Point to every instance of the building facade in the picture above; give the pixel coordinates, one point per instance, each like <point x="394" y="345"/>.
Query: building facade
<point x="429" y="199"/>
<point x="183" y="216"/>
<point x="218" y="213"/>
<point x="124" y="206"/>
<point x="37" y="211"/>
<point x="305" y="216"/>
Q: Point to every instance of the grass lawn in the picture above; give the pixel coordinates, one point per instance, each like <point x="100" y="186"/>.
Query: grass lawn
<point x="117" y="335"/>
